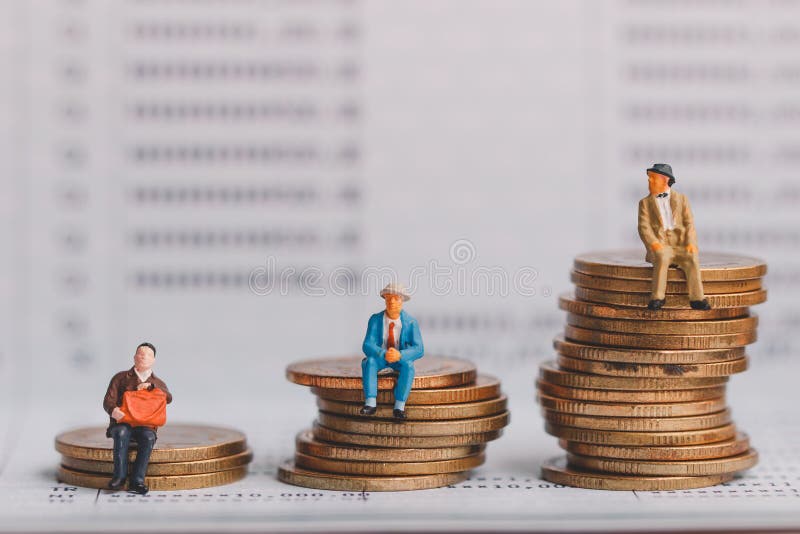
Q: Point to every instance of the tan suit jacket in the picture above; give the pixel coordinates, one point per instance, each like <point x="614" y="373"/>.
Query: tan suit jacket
<point x="651" y="229"/>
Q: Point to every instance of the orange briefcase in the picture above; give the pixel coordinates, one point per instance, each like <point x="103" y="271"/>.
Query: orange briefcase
<point x="144" y="408"/>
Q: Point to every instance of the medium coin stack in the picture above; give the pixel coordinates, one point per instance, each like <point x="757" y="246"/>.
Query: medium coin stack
<point x="184" y="457"/>
<point x="452" y="413"/>
<point x="636" y="396"/>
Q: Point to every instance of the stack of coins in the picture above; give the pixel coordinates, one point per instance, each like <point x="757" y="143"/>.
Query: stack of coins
<point x="452" y="413"/>
<point x="184" y="457"/>
<point x="637" y="397"/>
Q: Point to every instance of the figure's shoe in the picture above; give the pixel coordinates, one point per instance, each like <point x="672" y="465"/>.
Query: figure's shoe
<point x="700" y="304"/>
<point x="116" y="484"/>
<point x="368" y="410"/>
<point x="656" y="304"/>
<point x="141" y="489"/>
<point x="399" y="414"/>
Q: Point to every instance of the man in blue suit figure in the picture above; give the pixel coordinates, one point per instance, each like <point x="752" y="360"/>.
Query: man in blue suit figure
<point x="393" y="340"/>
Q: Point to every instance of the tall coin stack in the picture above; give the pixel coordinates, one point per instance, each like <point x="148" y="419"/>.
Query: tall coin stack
<point x="452" y="413"/>
<point x="184" y="457"/>
<point x="637" y="397"/>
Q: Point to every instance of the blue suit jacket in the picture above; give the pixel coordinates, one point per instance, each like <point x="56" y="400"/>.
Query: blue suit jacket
<point x="409" y="345"/>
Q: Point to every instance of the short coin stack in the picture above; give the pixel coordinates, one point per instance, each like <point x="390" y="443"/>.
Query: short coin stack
<point x="637" y="397"/>
<point x="452" y="413"/>
<point x="184" y="457"/>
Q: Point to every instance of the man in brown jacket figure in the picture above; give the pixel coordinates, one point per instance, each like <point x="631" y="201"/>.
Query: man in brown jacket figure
<point x="140" y="376"/>
<point x="666" y="227"/>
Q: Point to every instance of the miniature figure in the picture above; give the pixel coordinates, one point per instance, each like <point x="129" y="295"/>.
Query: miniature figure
<point x="393" y="340"/>
<point x="666" y="227"/>
<point x="126" y="427"/>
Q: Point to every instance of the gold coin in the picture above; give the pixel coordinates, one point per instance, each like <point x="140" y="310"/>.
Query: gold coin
<point x="569" y="303"/>
<point x="650" y="439"/>
<point x="157" y="483"/>
<point x="548" y="372"/>
<point x="691" y="328"/>
<point x="558" y="472"/>
<point x="631" y="264"/>
<point x="291" y="474"/>
<point x="345" y="373"/>
<point x="639" y="424"/>
<point x="720" y="449"/>
<point x="364" y="425"/>
<point x="675" y="287"/>
<point x="654" y="371"/>
<point x="604" y="409"/>
<point x="370" y="469"/>
<point x="485" y="387"/>
<point x="645" y="341"/>
<point x="165" y="468"/>
<point x="431" y="412"/>
<point x="403" y="442"/>
<point x="176" y="443"/>
<point x="308" y="445"/>
<point x="629" y="396"/>
<point x="693" y="468"/>
<point x="582" y="351"/>
<point x="640" y="300"/>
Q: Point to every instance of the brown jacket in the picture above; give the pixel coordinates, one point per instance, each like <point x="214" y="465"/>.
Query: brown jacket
<point x="651" y="229"/>
<point x="127" y="381"/>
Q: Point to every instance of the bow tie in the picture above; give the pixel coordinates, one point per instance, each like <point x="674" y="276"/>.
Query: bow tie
<point x="662" y="195"/>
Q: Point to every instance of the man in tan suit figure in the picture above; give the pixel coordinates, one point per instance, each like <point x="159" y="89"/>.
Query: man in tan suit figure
<point x="666" y="227"/>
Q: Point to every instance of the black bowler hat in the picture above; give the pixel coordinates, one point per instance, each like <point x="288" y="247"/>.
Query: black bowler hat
<point x="665" y="169"/>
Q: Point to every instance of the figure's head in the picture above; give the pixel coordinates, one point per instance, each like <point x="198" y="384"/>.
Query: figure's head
<point x="145" y="356"/>
<point x="658" y="183"/>
<point x="394" y="305"/>
<point x="660" y="178"/>
<point x="394" y="295"/>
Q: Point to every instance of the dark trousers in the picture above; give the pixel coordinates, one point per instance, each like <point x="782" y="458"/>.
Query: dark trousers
<point x="145" y="439"/>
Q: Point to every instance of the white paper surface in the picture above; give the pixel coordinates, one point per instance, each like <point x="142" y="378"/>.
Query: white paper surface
<point x="505" y="493"/>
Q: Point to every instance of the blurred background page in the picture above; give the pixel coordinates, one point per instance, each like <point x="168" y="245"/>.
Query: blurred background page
<point x="235" y="181"/>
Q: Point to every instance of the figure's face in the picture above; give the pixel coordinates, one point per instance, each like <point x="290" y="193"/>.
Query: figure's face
<point x="144" y="358"/>
<point x="658" y="183"/>
<point x="394" y="304"/>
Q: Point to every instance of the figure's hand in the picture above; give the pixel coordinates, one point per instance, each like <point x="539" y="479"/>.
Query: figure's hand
<point x="392" y="355"/>
<point x="117" y="414"/>
<point x="143" y="385"/>
<point x="655" y="246"/>
<point x="691" y="249"/>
